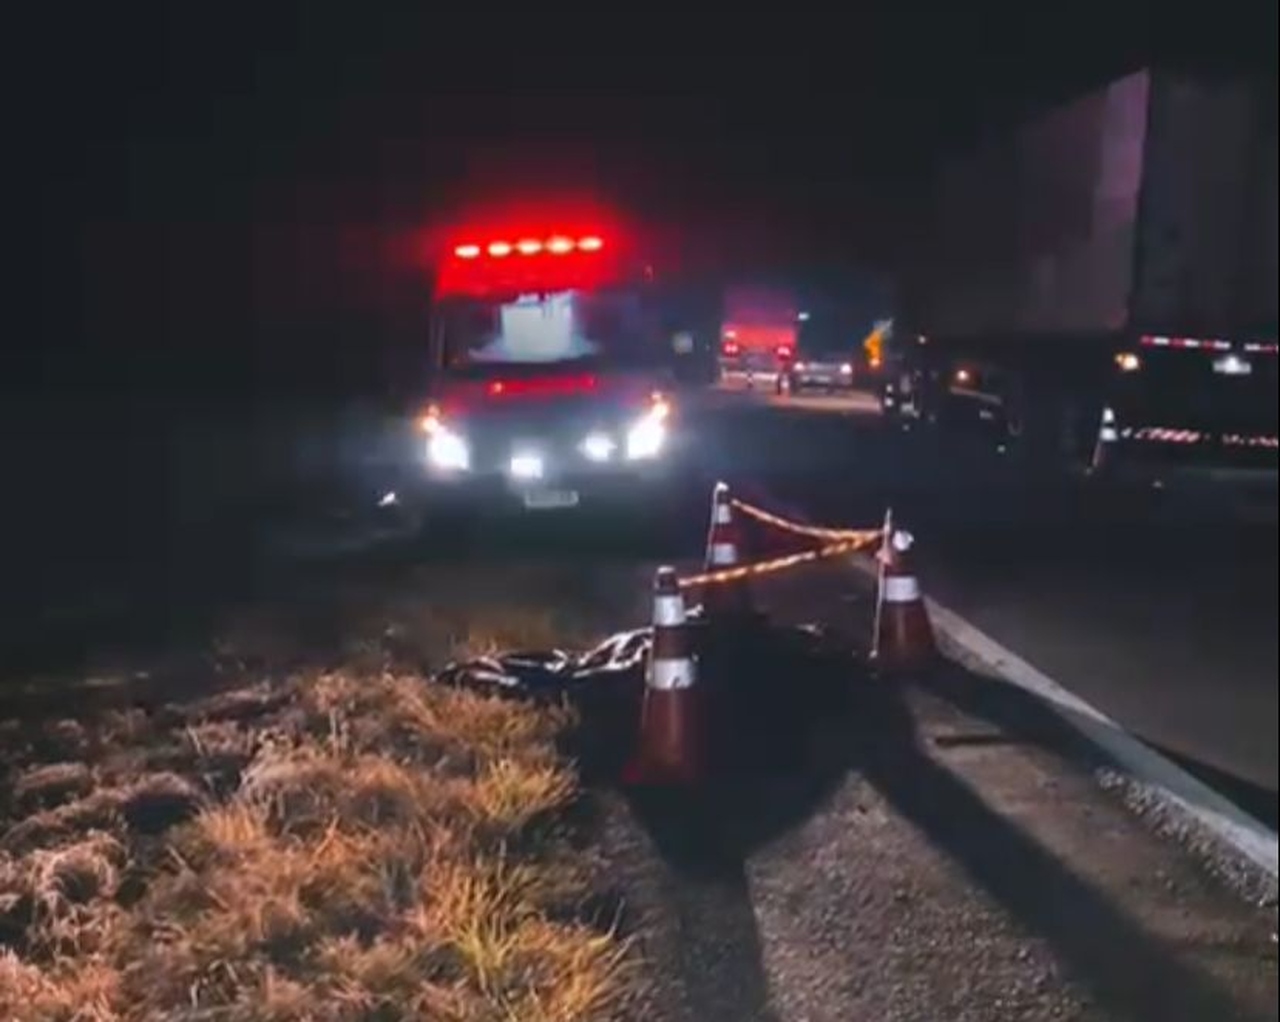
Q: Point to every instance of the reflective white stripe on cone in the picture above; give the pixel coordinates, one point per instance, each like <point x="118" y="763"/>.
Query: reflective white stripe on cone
<point x="723" y="555"/>
<point x="901" y="590"/>
<point x="726" y="600"/>
<point x="672" y="743"/>
<point x="904" y="638"/>
<point x="668" y="674"/>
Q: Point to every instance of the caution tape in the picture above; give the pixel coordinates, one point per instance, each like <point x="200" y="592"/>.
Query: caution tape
<point x="744" y="571"/>
<point x="810" y="531"/>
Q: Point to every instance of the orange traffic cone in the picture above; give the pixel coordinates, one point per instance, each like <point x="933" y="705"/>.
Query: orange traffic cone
<point x="672" y="746"/>
<point x="727" y="600"/>
<point x="903" y="633"/>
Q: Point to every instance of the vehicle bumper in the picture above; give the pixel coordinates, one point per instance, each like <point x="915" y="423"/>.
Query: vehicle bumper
<point x="824" y="382"/>
<point x="498" y="494"/>
<point x="1248" y="484"/>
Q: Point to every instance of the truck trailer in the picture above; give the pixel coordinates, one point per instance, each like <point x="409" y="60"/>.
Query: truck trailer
<point x="1101" y="282"/>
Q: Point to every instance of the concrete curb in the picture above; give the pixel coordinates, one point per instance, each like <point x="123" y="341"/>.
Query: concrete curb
<point x="1178" y="790"/>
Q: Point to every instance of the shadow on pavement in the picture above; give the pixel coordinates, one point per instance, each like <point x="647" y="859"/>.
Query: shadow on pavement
<point x="1021" y="714"/>
<point x="1136" y="976"/>
<point x="775" y="761"/>
<point x="793" y="719"/>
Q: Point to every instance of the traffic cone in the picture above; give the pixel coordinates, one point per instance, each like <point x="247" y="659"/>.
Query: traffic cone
<point x="1105" y="443"/>
<point x="725" y="601"/>
<point x="672" y="740"/>
<point x="903" y="634"/>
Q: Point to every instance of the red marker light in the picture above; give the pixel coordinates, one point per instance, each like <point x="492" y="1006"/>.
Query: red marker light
<point x="559" y="246"/>
<point x="590" y="244"/>
<point x="467" y="251"/>
<point x="548" y="386"/>
<point x="499" y="248"/>
<point x="529" y="246"/>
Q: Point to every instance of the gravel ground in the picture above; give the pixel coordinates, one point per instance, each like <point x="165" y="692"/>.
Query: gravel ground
<point x="936" y="853"/>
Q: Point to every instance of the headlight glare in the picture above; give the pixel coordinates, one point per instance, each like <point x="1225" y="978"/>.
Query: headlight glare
<point x="646" y="438"/>
<point x="448" y="451"/>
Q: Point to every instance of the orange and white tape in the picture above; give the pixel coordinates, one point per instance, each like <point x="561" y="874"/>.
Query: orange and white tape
<point x="736" y="574"/>
<point x="811" y="531"/>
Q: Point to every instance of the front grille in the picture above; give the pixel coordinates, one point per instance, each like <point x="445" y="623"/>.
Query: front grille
<point x="560" y="447"/>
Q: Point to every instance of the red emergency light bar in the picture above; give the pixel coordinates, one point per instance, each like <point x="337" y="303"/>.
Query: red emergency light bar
<point x="555" y="245"/>
<point x="495" y="261"/>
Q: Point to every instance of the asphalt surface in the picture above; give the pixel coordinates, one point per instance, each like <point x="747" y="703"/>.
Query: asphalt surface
<point x="1161" y="615"/>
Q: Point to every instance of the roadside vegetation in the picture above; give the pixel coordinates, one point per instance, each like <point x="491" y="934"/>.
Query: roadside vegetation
<point x="349" y="842"/>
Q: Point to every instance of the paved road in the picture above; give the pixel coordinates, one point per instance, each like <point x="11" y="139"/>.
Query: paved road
<point x="1166" y="621"/>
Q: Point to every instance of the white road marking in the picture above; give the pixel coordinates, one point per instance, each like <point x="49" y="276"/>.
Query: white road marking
<point x="1179" y="789"/>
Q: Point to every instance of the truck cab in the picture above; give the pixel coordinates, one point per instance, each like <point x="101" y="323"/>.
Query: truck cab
<point x="551" y="374"/>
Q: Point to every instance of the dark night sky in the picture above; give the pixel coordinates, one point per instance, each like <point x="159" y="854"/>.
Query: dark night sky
<point x="200" y="176"/>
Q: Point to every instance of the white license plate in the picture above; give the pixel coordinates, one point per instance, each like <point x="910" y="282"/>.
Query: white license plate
<point x="546" y="500"/>
<point x="1232" y="365"/>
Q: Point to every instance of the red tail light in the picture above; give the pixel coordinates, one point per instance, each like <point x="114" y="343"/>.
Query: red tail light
<point x="783" y="352"/>
<point x="730" y="348"/>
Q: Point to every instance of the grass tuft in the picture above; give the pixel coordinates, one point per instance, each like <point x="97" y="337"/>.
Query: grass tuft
<point x="334" y="846"/>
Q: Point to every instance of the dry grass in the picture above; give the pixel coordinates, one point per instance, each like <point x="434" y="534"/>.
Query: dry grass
<point x="339" y="845"/>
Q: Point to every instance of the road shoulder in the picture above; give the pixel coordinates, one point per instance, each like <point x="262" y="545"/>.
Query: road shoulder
<point x="951" y="857"/>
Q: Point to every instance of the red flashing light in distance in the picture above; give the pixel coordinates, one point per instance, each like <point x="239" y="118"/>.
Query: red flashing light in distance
<point x="783" y="352"/>
<point x="731" y="348"/>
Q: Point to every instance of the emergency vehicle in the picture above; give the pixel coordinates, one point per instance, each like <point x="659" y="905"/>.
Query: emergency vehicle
<point x="551" y="371"/>
<point x="758" y="337"/>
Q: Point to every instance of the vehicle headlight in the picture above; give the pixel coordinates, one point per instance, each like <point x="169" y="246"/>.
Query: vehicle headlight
<point x="526" y="466"/>
<point x="847" y="369"/>
<point x="446" y="450"/>
<point x="646" y="438"/>
<point x="598" y="447"/>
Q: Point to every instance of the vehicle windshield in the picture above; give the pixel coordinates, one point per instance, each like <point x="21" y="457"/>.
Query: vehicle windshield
<point x="614" y="328"/>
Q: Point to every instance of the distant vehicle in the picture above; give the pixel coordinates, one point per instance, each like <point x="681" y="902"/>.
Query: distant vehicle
<point x="551" y="372"/>
<point x="830" y="372"/>
<point x="1103" y="282"/>
<point x="758" y="336"/>
<point x="826" y="354"/>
